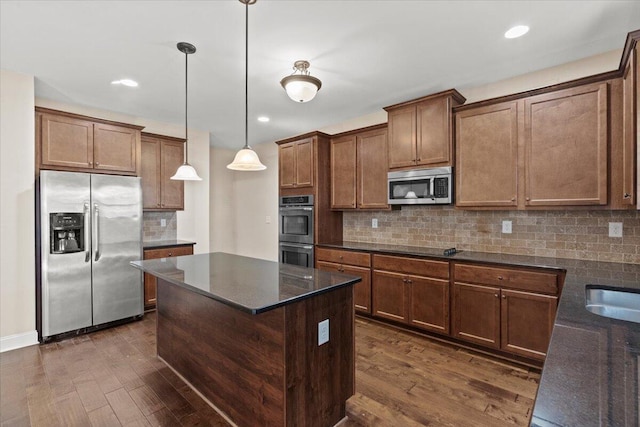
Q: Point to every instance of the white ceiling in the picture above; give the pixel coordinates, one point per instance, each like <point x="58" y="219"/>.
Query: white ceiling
<point x="368" y="54"/>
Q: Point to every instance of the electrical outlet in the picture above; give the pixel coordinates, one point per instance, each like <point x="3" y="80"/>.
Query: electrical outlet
<point x="506" y="227"/>
<point x="267" y="220"/>
<point x="323" y="332"/>
<point x="163" y="222"/>
<point x="615" y="229"/>
<point x="374" y="223"/>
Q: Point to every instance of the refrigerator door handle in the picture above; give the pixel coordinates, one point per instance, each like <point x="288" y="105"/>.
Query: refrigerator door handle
<point x="87" y="233"/>
<point x="96" y="234"/>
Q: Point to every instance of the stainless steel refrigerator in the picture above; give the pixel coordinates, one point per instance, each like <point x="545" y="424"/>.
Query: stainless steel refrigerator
<point x="90" y="229"/>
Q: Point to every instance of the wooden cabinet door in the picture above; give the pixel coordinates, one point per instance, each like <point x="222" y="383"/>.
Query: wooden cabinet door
<point x="433" y="132"/>
<point x="361" y="290"/>
<point x="429" y="304"/>
<point x="150" y="173"/>
<point x="287" y="165"/>
<point x="150" y="281"/>
<point x="629" y="114"/>
<point x="343" y="173"/>
<point x="304" y="163"/>
<point x="527" y="322"/>
<point x="566" y="145"/>
<point x="372" y="170"/>
<point x="66" y="141"/>
<point x="476" y="314"/>
<point x="402" y="137"/>
<point x="390" y="296"/>
<point x="172" y="156"/>
<point x="114" y="147"/>
<point x="487" y="156"/>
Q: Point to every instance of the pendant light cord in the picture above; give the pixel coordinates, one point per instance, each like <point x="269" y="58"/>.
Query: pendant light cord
<point x="246" y="76"/>
<point x="186" y="106"/>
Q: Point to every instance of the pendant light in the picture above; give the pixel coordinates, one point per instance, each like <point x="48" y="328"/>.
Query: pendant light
<point x="246" y="159"/>
<point x="301" y="87"/>
<point x="186" y="172"/>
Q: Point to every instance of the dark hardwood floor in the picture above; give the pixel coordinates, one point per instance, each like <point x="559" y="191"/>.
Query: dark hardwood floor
<point x="112" y="378"/>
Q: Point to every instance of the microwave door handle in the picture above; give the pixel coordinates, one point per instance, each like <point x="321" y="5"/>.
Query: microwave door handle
<point x="432" y="183"/>
<point x="96" y="236"/>
<point x="296" y="208"/>
<point x="87" y="233"/>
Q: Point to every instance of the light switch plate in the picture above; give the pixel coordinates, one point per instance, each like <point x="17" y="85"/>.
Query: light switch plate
<point x="615" y="229"/>
<point x="267" y="219"/>
<point x="323" y="332"/>
<point x="506" y="227"/>
<point x="163" y="222"/>
<point x="374" y="223"/>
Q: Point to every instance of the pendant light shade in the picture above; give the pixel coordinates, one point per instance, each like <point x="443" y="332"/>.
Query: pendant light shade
<point x="246" y="159"/>
<point x="186" y="172"/>
<point x="301" y="87"/>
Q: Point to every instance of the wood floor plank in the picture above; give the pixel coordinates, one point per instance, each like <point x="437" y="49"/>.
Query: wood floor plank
<point x="91" y="395"/>
<point x="104" y="417"/>
<point x="124" y="407"/>
<point x="148" y="402"/>
<point x="70" y="410"/>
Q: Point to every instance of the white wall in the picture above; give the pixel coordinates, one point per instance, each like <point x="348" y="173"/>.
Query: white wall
<point x="17" y="204"/>
<point x="241" y="203"/>
<point x="193" y="222"/>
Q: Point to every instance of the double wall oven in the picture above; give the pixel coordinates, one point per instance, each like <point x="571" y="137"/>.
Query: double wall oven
<point x="296" y="230"/>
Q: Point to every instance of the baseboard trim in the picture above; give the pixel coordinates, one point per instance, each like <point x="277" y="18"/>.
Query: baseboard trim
<point x="13" y="342"/>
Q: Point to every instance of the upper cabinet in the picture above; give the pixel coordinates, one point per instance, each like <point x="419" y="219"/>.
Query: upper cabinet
<point x="161" y="158"/>
<point x="71" y="142"/>
<point x="359" y="169"/>
<point x="296" y="164"/>
<point x="421" y="131"/>
<point x="629" y="130"/>
<point x="565" y="147"/>
<point x="552" y="148"/>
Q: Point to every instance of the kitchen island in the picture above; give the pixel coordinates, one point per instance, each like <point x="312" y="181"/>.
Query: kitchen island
<point x="245" y="334"/>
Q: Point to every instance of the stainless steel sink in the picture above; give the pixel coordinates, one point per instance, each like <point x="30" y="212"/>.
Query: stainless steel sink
<point x="616" y="304"/>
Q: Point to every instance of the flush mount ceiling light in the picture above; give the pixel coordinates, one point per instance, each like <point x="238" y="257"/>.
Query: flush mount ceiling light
<point x="517" y="31"/>
<point x="246" y="159"/>
<point x="186" y="172"/>
<point x="125" y="82"/>
<point x="301" y="87"/>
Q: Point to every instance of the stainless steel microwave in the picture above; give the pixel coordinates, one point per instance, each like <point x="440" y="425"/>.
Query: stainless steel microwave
<point x="431" y="186"/>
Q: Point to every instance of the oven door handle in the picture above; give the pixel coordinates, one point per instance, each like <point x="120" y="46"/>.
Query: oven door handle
<point x="293" y="208"/>
<point x="294" y="246"/>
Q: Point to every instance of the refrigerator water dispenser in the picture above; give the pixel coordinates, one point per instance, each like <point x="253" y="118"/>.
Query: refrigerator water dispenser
<point x="67" y="232"/>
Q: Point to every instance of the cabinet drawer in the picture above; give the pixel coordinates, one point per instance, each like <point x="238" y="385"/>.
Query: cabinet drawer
<point x="420" y="267"/>
<point x="168" y="252"/>
<point x="517" y="279"/>
<point x="362" y="259"/>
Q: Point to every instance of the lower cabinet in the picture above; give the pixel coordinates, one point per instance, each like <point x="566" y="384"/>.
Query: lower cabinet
<point x="506" y="309"/>
<point x="150" y="282"/>
<point x="350" y="262"/>
<point x="412" y="291"/>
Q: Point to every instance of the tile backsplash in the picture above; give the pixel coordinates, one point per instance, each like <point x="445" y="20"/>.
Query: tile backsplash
<point x="561" y="234"/>
<point x="153" y="229"/>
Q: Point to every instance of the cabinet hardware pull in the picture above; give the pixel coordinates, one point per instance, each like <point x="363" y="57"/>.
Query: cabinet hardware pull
<point x="513" y="199"/>
<point x="90" y="163"/>
<point x="495" y="295"/>
<point x="97" y="163"/>
<point x="409" y="281"/>
<point x="500" y="277"/>
<point x="504" y="297"/>
<point x="627" y="195"/>
<point x="528" y="198"/>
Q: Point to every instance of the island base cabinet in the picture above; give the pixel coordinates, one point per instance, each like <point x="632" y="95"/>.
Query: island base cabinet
<point x="477" y="314"/>
<point x="262" y="369"/>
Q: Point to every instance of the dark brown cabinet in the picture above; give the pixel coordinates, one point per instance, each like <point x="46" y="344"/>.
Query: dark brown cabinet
<point x="71" y="142"/>
<point x="296" y="163"/>
<point x="150" y="281"/>
<point x="506" y="309"/>
<point x="421" y="131"/>
<point x="412" y="291"/>
<point x="161" y="158"/>
<point x="350" y="262"/>
<point x="359" y="170"/>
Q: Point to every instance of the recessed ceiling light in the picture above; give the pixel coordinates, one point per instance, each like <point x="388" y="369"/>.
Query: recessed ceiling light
<point x="125" y="82"/>
<point x="263" y="119"/>
<point x="517" y="31"/>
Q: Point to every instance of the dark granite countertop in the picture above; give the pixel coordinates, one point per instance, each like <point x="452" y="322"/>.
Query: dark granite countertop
<point x="590" y="375"/>
<point x="249" y="284"/>
<point x="159" y="244"/>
